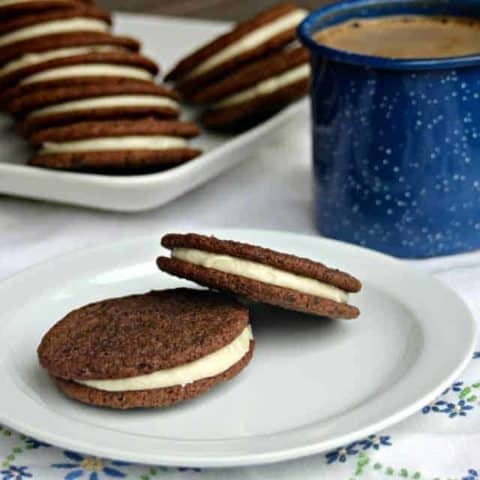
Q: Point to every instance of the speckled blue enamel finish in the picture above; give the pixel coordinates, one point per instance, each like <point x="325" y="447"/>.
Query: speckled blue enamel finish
<point x="396" y="143"/>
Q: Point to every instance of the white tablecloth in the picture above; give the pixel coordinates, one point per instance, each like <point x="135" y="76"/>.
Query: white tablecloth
<point x="269" y="190"/>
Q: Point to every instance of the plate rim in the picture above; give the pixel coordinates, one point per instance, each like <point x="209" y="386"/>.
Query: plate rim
<point x="256" y="458"/>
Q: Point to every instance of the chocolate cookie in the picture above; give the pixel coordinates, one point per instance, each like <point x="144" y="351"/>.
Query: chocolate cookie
<point x="65" y="40"/>
<point x="253" y="39"/>
<point x="14" y="71"/>
<point x="82" y="81"/>
<point x="150" y="350"/>
<point x="252" y="74"/>
<point x="14" y="8"/>
<point x="256" y="90"/>
<point x="37" y="25"/>
<point x="63" y="106"/>
<point x="80" y="11"/>
<point x="127" y="146"/>
<point x="81" y="60"/>
<point x="25" y="104"/>
<point x="261" y="275"/>
<point x="19" y="34"/>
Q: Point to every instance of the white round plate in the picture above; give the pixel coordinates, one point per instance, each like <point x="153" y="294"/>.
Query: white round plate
<point x="313" y="384"/>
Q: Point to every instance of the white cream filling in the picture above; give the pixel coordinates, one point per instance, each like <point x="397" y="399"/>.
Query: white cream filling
<point x="134" y="142"/>
<point x="114" y="101"/>
<point x="55" y="26"/>
<point x="251" y="41"/>
<point x="88" y="70"/>
<point x="31" y="59"/>
<point x="266" y="87"/>
<point x="259" y="272"/>
<point x="209" y="366"/>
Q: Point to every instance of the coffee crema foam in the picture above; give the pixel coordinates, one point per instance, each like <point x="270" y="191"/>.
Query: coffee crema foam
<point x="405" y="36"/>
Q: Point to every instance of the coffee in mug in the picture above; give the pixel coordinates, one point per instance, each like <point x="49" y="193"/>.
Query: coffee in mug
<point x="399" y="36"/>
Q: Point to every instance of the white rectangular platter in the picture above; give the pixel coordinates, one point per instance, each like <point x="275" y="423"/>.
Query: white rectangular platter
<point x="165" y="39"/>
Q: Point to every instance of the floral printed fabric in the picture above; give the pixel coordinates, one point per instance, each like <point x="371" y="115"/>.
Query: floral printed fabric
<point x="440" y="442"/>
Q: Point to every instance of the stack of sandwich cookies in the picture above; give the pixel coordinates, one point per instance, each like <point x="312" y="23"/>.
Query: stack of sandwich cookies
<point x="123" y="146"/>
<point x="250" y="40"/>
<point x="150" y="350"/>
<point x="249" y="73"/>
<point x="86" y="98"/>
<point x="30" y="44"/>
<point x="256" y="89"/>
<point x="261" y="275"/>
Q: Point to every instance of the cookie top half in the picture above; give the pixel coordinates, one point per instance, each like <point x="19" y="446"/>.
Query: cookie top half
<point x="137" y="335"/>
<point x="261" y="274"/>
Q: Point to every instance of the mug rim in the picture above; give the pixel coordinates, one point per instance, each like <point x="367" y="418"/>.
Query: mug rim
<point x="306" y="29"/>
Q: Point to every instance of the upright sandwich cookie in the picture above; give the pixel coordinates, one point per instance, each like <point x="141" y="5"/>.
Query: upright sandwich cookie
<point x="35" y="101"/>
<point x="62" y="106"/>
<point x="256" y="90"/>
<point x="14" y="8"/>
<point x="150" y="350"/>
<point x="29" y="33"/>
<point x="250" y="40"/>
<point x="65" y="40"/>
<point x="93" y="60"/>
<point x="260" y="274"/>
<point x="124" y="69"/>
<point x="61" y="55"/>
<point x="134" y="146"/>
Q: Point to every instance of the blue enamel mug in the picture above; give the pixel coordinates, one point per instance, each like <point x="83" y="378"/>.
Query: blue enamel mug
<point x="396" y="142"/>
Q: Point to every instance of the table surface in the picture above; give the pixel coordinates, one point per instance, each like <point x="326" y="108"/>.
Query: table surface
<point x="231" y="10"/>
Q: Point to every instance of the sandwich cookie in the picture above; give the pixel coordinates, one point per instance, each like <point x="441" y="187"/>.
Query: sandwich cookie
<point x="256" y="90"/>
<point x="11" y="8"/>
<point x="151" y="350"/>
<point x="98" y="60"/>
<point x="65" y="40"/>
<point x="21" y="91"/>
<point x="63" y="106"/>
<point x="126" y="146"/>
<point x="261" y="275"/>
<point x="268" y="31"/>
<point x="19" y="33"/>
<point x="74" y="46"/>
